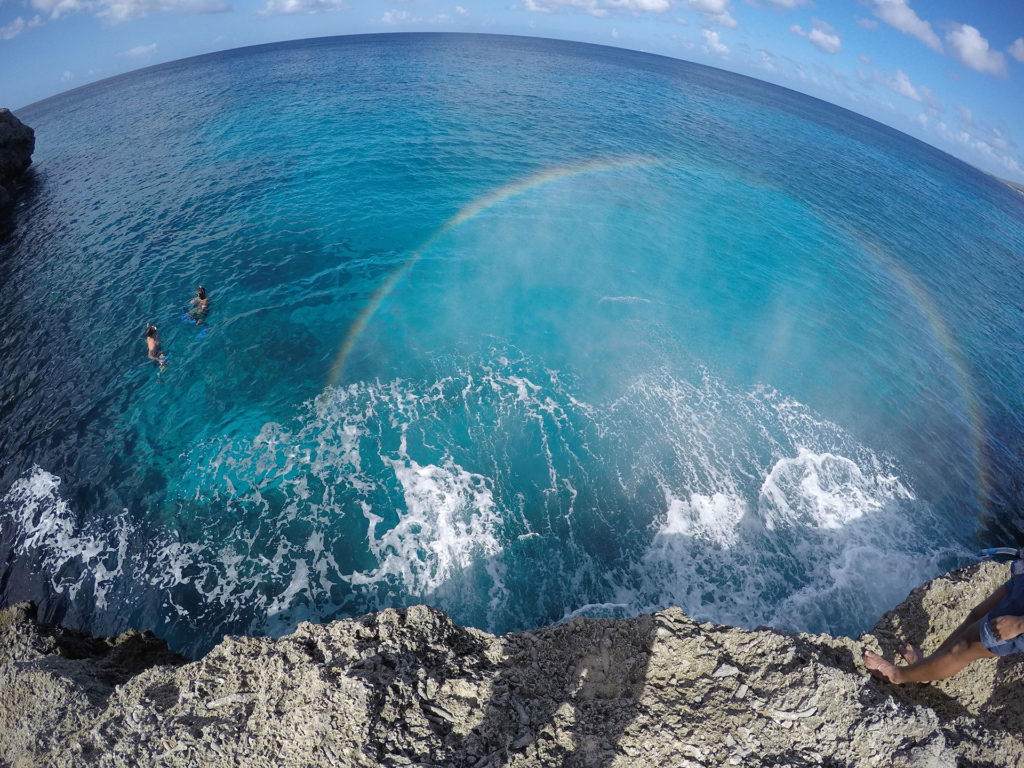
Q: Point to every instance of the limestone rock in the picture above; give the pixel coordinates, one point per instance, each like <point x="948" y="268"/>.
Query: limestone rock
<point x="412" y="688"/>
<point x="17" y="142"/>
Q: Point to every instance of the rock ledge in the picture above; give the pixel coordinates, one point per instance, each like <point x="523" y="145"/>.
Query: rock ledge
<point x="412" y="688"/>
<point x="17" y="142"/>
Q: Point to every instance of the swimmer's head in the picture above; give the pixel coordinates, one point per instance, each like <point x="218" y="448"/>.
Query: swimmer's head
<point x="200" y="292"/>
<point x="150" y="331"/>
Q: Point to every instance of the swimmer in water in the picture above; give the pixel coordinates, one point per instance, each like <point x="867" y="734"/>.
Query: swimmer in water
<point x="153" y="345"/>
<point x="200" y="305"/>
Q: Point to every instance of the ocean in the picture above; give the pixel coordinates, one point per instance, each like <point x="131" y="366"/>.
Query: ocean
<point x="521" y="329"/>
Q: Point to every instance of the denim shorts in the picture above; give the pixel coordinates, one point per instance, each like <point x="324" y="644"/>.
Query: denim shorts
<point x="1011" y="605"/>
<point x="999" y="648"/>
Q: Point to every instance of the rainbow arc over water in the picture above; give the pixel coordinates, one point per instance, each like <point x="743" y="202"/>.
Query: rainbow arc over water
<point x="465" y="214"/>
<point x="918" y="296"/>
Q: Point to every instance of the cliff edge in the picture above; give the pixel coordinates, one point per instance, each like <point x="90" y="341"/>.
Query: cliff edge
<point x="412" y="688"/>
<point x="17" y="142"/>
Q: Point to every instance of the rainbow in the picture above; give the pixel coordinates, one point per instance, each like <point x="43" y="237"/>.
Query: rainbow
<point x="465" y="214"/>
<point x="924" y="304"/>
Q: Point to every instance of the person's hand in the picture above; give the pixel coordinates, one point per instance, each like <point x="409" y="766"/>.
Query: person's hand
<point x="1007" y="627"/>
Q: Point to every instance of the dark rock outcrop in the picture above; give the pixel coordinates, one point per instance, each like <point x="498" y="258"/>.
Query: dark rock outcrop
<point x="17" y="142"/>
<point x="412" y="688"/>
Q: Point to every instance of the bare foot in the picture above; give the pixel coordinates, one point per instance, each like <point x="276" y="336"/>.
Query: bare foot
<point x="910" y="654"/>
<point x="880" y="668"/>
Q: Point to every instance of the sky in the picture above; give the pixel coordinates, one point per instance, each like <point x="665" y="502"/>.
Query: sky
<point x="948" y="72"/>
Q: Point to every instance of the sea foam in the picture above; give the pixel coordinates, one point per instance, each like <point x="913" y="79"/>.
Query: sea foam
<point x="487" y="492"/>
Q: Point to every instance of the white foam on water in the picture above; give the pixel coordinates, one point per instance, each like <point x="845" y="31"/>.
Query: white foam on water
<point x="449" y="522"/>
<point x="772" y="515"/>
<point x="714" y="518"/>
<point x="42" y="522"/>
<point x="427" y="523"/>
<point x="824" y="491"/>
<point x="596" y="609"/>
<point x="298" y="585"/>
<point x="487" y="492"/>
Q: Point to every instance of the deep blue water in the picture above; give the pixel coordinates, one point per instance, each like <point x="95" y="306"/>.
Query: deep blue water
<point x="517" y="328"/>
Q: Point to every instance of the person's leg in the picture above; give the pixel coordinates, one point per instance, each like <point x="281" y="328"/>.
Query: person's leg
<point x="945" y="662"/>
<point x="912" y="655"/>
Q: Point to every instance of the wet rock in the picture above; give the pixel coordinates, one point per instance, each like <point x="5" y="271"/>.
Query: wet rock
<point x="413" y="688"/>
<point x="17" y="142"/>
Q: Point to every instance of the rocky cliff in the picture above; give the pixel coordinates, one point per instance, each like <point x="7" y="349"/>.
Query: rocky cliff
<point x="412" y="688"/>
<point x="17" y="142"/>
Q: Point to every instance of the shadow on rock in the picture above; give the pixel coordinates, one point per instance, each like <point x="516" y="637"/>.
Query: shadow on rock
<point x="96" y="664"/>
<point x="565" y="694"/>
<point x="442" y="694"/>
<point x="801" y="758"/>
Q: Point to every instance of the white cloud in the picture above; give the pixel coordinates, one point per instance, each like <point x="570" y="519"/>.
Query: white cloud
<point x="57" y="8"/>
<point x="900" y="83"/>
<point x="599" y="8"/>
<point x="992" y="147"/>
<point x="979" y="131"/>
<point x="141" y="51"/>
<point x="67" y="76"/>
<point x="117" y="11"/>
<point x="998" y="140"/>
<point x="540" y="7"/>
<point x="821" y="35"/>
<point x="713" y="44"/>
<point x="13" y="29"/>
<point x="899" y="14"/>
<point x="714" y="11"/>
<point x="282" y="7"/>
<point x="824" y="37"/>
<point x="767" y="61"/>
<point x="639" y="6"/>
<point x="398" y="17"/>
<point x="792" y="3"/>
<point x="1017" y="49"/>
<point x="866" y="23"/>
<point x="615" y="34"/>
<point x="971" y="49"/>
<point x="459" y="10"/>
<point x="929" y="99"/>
<point x="865" y="59"/>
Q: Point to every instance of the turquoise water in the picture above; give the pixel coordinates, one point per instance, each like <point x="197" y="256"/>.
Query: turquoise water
<point x="521" y="329"/>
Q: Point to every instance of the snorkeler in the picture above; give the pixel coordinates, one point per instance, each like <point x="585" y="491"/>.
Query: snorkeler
<point x="200" y="304"/>
<point x="153" y="345"/>
<point x="994" y="627"/>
